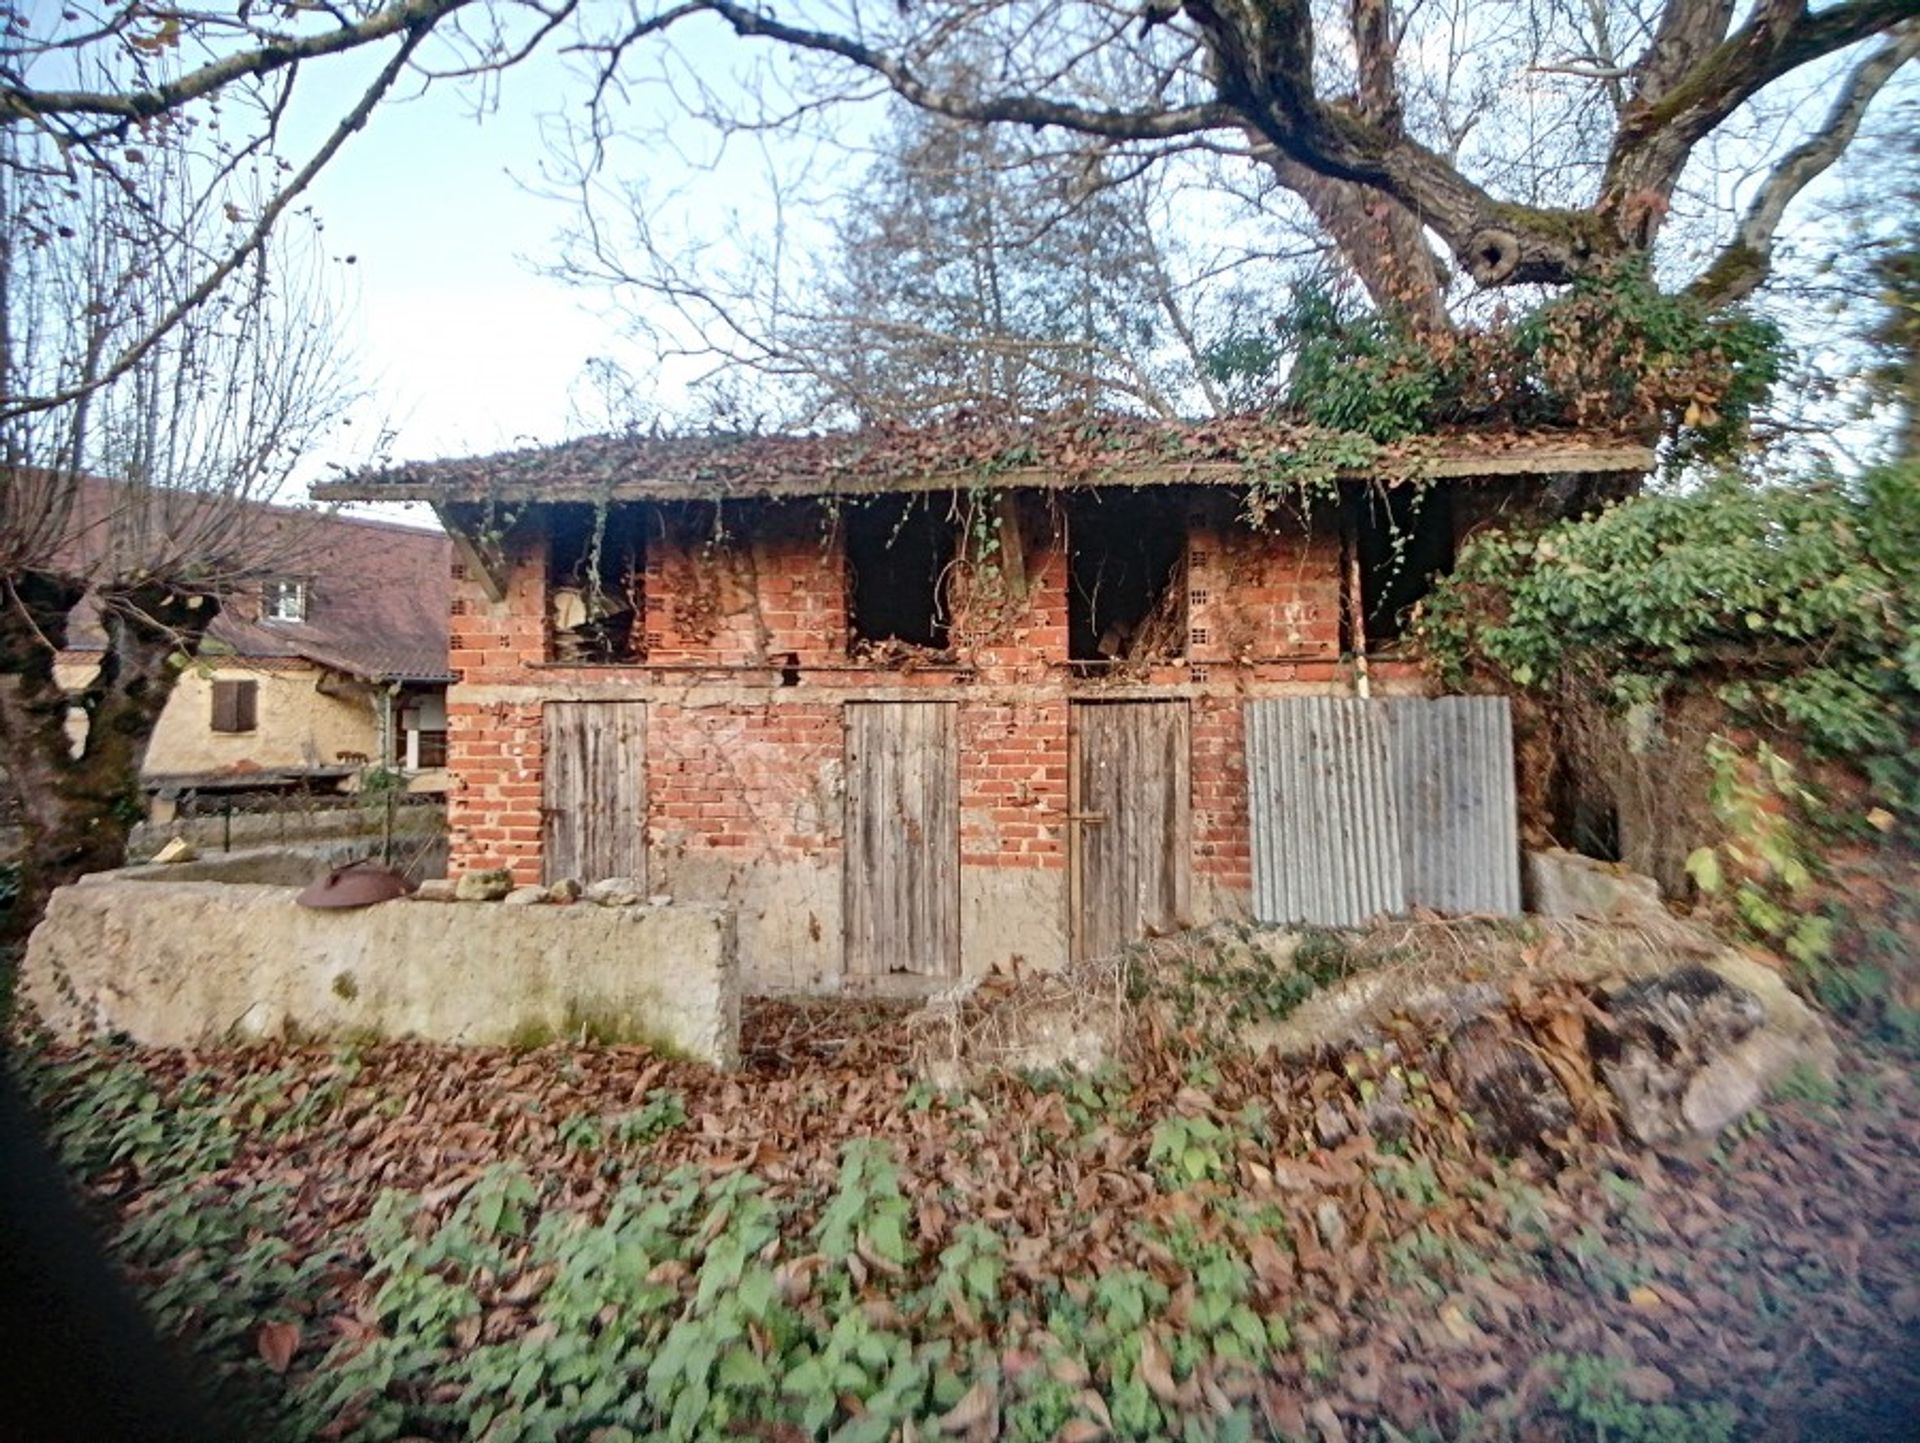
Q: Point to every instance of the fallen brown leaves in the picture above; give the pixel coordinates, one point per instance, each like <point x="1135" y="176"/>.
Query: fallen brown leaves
<point x="1419" y="1279"/>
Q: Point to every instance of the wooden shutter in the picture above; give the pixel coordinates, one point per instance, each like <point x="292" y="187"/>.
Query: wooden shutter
<point x="594" y="790"/>
<point x="236" y="706"/>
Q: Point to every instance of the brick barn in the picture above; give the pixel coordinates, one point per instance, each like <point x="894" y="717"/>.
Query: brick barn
<point x="922" y="701"/>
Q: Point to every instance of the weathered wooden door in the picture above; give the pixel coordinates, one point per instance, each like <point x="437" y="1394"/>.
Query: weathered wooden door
<point x="903" y="839"/>
<point x="594" y="790"/>
<point x="1129" y="801"/>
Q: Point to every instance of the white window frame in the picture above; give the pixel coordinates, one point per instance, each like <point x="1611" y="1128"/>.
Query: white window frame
<point x="274" y="598"/>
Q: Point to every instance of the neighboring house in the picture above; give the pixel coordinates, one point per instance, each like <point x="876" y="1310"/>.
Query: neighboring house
<point x="927" y="701"/>
<point x="309" y="677"/>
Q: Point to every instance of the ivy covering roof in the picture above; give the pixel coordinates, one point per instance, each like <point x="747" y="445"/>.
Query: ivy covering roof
<point x="1059" y="452"/>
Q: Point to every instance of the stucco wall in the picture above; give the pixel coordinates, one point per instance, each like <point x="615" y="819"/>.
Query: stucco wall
<point x="297" y="725"/>
<point x="193" y="963"/>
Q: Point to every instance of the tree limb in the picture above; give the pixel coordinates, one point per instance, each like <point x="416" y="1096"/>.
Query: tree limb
<point x="1678" y="106"/>
<point x="1741" y="267"/>
<point x="19" y="102"/>
<point x="1154" y="123"/>
<point x="250" y="245"/>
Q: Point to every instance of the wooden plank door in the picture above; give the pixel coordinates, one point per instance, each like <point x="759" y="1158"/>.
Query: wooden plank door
<point x="903" y="839"/>
<point x="1129" y="799"/>
<point x="594" y="790"/>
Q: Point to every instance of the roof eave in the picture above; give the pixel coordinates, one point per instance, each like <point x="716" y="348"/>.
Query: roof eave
<point x="470" y="487"/>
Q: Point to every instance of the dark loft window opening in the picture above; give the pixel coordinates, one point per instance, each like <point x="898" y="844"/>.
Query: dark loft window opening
<point x="1126" y="584"/>
<point x="900" y="551"/>
<point x="1403" y="536"/>
<point x="596" y="582"/>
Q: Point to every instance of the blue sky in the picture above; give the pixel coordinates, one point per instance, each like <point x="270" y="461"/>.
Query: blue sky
<point x="463" y="346"/>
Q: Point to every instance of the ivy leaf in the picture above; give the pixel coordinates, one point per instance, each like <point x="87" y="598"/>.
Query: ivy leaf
<point x="1703" y="865"/>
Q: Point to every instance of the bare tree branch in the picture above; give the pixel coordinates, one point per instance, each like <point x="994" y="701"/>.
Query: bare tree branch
<point x="250" y="245"/>
<point x="275" y="52"/>
<point x="1744" y="264"/>
<point x="1681" y="100"/>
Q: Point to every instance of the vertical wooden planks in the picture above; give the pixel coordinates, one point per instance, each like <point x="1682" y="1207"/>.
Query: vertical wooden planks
<point x="902" y="839"/>
<point x="594" y="790"/>
<point x="1131" y="822"/>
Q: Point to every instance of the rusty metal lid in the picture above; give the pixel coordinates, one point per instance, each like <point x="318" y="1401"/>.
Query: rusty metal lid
<point x="358" y="884"/>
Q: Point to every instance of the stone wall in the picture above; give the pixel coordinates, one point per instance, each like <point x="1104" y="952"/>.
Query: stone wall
<point x="188" y="964"/>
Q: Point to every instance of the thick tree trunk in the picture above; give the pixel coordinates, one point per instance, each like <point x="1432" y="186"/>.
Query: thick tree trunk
<point x="1380" y="240"/>
<point x="76" y="812"/>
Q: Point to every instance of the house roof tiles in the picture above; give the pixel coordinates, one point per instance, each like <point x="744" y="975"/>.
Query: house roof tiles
<point x="377" y="594"/>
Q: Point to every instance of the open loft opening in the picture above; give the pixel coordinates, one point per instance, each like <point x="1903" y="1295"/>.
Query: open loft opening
<point x="1126" y="576"/>
<point x="596" y="583"/>
<point x="900" y="552"/>
<point x="1401" y="539"/>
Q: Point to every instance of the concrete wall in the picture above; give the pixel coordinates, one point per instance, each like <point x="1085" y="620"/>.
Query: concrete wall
<point x="747" y="674"/>
<point x="193" y="963"/>
<point x="295" y="865"/>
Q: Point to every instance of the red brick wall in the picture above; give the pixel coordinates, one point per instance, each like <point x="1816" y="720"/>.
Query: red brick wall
<point x="751" y="584"/>
<point x="1222" y="840"/>
<point x="751" y="782"/>
<point x="1013" y="784"/>
<point x="1271" y="595"/>
<point x="493" y="811"/>
<point x="745" y="767"/>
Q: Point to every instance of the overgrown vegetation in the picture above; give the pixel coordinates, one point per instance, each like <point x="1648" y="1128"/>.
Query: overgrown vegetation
<point x="1796" y="606"/>
<point x="1611" y="353"/>
<point x="605" y="1245"/>
<point x="1226" y="981"/>
<point x="1793" y="610"/>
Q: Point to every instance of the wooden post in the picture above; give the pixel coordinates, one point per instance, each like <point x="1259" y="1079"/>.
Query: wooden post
<point x="1355" y="597"/>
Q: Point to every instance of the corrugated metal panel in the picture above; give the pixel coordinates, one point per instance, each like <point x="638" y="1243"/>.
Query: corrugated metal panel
<point x="1363" y="809"/>
<point x="1323" y="798"/>
<point x="1453" y="773"/>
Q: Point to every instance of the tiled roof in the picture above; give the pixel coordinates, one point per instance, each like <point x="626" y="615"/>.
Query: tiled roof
<point x="377" y="597"/>
<point x="1073" y="450"/>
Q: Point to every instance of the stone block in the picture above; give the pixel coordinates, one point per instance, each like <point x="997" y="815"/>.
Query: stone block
<point x="202" y="963"/>
<point x="1560" y="883"/>
<point x="488" y="886"/>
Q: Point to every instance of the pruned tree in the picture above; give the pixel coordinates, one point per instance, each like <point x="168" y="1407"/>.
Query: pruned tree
<point x="135" y="507"/>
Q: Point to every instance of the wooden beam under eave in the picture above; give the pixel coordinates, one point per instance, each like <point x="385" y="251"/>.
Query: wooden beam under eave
<point x="479" y="551"/>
